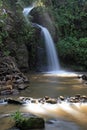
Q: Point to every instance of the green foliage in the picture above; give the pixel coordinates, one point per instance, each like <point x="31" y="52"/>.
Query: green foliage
<point x="3" y="16"/>
<point x="26" y="3"/>
<point x="17" y="117"/>
<point x="3" y="46"/>
<point x="71" y="17"/>
<point x="6" y="52"/>
<point x="28" y="33"/>
<point x="73" y="51"/>
<point x="3" y="32"/>
<point x="71" y="23"/>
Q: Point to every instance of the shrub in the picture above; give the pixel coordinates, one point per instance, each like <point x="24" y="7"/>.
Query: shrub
<point x="73" y="51"/>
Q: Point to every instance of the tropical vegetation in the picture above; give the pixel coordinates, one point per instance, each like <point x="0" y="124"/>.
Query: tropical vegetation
<point x="70" y="21"/>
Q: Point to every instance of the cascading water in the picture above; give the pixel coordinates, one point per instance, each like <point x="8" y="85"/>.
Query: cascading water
<point x="52" y="59"/>
<point x="53" y="63"/>
<point x="26" y="12"/>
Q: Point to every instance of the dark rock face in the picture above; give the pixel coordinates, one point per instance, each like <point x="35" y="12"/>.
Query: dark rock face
<point x="22" y="57"/>
<point x="11" y="79"/>
<point x="14" y="22"/>
<point x="45" y="20"/>
<point x="19" y="52"/>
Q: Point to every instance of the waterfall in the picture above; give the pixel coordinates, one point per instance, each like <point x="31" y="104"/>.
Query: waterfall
<point x="53" y="63"/>
<point x="26" y="12"/>
<point x="52" y="59"/>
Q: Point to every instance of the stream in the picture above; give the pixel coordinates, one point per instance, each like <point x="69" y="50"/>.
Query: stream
<point x="63" y="116"/>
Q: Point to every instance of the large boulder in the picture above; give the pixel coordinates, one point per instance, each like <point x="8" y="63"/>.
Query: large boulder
<point x="31" y="123"/>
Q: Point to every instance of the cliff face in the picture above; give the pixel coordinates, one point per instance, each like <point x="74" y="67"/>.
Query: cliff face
<point x="13" y="42"/>
<point x="44" y="19"/>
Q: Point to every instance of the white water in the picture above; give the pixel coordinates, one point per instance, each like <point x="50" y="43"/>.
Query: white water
<point x="26" y="12"/>
<point x="53" y="63"/>
<point x="74" y="112"/>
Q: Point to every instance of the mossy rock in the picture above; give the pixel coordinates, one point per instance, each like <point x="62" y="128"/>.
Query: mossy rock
<point x="31" y="123"/>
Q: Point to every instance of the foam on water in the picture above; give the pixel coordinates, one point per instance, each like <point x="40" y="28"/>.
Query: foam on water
<point x="68" y="111"/>
<point x="60" y="73"/>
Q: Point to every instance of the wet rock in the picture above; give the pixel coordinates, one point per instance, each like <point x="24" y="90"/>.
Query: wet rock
<point x="72" y="99"/>
<point x="76" y="101"/>
<point x="6" y="92"/>
<point x="42" y="100"/>
<point x="84" y="77"/>
<point x="85" y="83"/>
<point x="9" y="82"/>
<point x="3" y="102"/>
<point x="26" y="80"/>
<point x="52" y="101"/>
<point x="31" y="123"/>
<point x="6" y="87"/>
<point x="15" y="91"/>
<point x="26" y="100"/>
<point x="77" y="96"/>
<point x="46" y="97"/>
<point x="12" y="101"/>
<point x="22" y="86"/>
<point x="2" y="83"/>
<point x="33" y="101"/>
<point x="83" y="97"/>
<point x="19" y="81"/>
<point x="8" y="77"/>
<point x="79" y="76"/>
<point x="62" y="98"/>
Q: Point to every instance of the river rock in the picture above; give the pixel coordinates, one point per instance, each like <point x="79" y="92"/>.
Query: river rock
<point x="13" y="101"/>
<point x="6" y="92"/>
<point x="77" y="96"/>
<point x="84" y="77"/>
<point x="22" y="86"/>
<point x="62" y="98"/>
<point x="31" y="123"/>
<point x="52" y="101"/>
<point x="46" y="97"/>
<point x="34" y="101"/>
<point x="11" y="79"/>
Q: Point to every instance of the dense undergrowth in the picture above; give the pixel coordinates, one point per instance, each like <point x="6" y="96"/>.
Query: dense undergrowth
<point x="70" y="20"/>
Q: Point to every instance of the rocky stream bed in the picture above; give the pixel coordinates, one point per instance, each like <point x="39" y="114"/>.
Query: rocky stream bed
<point x="11" y="78"/>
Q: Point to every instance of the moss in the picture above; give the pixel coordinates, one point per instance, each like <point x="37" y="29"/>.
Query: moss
<point x="30" y="123"/>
